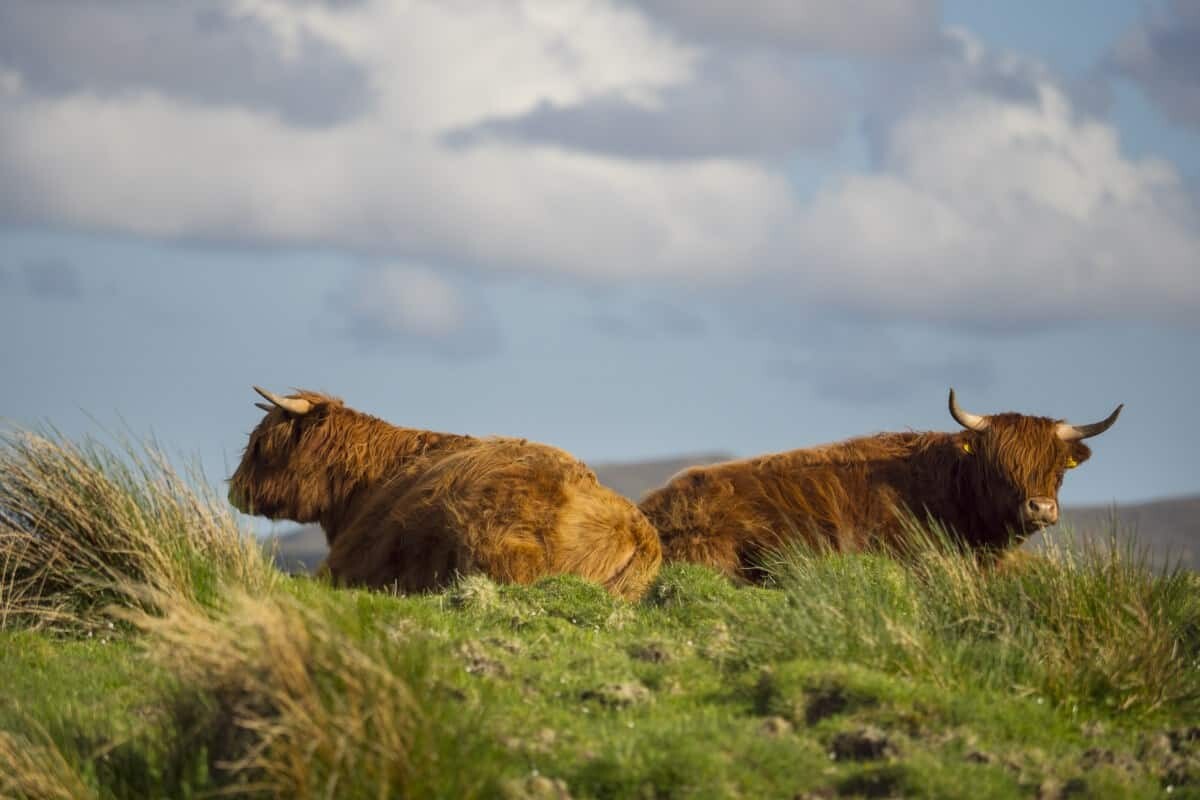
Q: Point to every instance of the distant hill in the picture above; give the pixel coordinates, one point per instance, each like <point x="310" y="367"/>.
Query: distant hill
<point x="1168" y="529"/>
<point x="635" y="478"/>
<point x="303" y="548"/>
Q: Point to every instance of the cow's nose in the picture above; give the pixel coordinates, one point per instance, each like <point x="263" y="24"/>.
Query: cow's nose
<point x="1041" y="509"/>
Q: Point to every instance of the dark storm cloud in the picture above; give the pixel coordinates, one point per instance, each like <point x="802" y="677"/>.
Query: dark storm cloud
<point x="202" y="52"/>
<point x="52" y="279"/>
<point x="1162" y="55"/>
<point x="739" y="105"/>
<point x="846" y="27"/>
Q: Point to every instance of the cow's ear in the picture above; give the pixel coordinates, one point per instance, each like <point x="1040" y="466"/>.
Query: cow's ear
<point x="967" y="447"/>
<point x="1077" y="453"/>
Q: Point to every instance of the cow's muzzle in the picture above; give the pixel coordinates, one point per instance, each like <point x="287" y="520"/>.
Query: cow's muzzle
<point x="1038" y="512"/>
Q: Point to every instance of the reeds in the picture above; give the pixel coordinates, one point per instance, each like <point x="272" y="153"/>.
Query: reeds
<point x="83" y="526"/>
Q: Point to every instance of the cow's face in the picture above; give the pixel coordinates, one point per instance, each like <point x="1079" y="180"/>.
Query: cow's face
<point x="1017" y="464"/>
<point x="281" y="475"/>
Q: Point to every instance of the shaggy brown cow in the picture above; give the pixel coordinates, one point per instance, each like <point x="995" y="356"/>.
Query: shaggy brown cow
<point x="412" y="508"/>
<point x="993" y="483"/>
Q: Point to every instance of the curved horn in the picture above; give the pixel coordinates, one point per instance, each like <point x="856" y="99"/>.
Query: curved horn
<point x="972" y="422"/>
<point x="1070" y="433"/>
<point x="293" y="405"/>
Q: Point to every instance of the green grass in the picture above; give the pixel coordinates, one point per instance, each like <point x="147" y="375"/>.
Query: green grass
<point x="200" y="670"/>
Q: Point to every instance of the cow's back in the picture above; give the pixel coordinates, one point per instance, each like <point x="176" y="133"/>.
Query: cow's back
<point x="713" y="515"/>
<point x="509" y="508"/>
<point x="733" y="515"/>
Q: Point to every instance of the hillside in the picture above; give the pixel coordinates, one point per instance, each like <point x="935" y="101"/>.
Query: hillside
<point x="1168" y="529"/>
<point x="149" y="649"/>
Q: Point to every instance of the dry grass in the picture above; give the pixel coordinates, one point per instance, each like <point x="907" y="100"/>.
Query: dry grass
<point x="80" y="524"/>
<point x="294" y="706"/>
<point x="38" y="770"/>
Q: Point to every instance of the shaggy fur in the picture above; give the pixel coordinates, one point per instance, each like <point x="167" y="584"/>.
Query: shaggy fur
<point x="853" y="495"/>
<point x="412" y="508"/>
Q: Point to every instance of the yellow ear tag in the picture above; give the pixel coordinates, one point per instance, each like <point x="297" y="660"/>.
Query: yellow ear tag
<point x="967" y="447"/>
<point x="1072" y="463"/>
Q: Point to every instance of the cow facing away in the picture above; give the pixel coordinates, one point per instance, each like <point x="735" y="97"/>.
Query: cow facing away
<point x="411" y="509"/>
<point x="992" y="484"/>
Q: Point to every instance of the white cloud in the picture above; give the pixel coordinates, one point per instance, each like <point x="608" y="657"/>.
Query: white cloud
<point x="991" y="209"/>
<point x="151" y="166"/>
<point x="991" y="198"/>
<point x="736" y="105"/>
<point x="413" y="307"/>
<point x="406" y="300"/>
<point x="441" y="64"/>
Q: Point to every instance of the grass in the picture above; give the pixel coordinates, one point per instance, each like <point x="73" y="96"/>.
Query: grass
<point x="84" y="526"/>
<point x="148" y="650"/>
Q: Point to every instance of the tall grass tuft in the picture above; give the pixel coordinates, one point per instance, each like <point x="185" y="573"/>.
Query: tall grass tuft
<point x="82" y="524"/>
<point x="38" y="770"/>
<point x="291" y="704"/>
<point x="1090" y="626"/>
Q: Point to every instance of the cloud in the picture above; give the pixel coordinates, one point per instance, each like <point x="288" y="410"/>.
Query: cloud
<point x="991" y="207"/>
<point x="412" y="307"/>
<point x="748" y="106"/>
<point x="856" y="27"/>
<point x="154" y="168"/>
<point x="52" y="279"/>
<point x="1162" y="55"/>
<point x="991" y="198"/>
<point x="225" y="54"/>
<point x="162" y="166"/>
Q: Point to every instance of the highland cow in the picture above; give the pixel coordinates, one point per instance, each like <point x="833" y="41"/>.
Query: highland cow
<point x="411" y="509"/>
<point x="989" y="485"/>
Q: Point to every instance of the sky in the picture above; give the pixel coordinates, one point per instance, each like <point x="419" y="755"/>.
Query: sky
<point x="629" y="228"/>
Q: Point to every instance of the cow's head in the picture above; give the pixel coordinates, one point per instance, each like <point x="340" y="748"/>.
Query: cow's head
<point x="283" y="473"/>
<point x="1016" y="464"/>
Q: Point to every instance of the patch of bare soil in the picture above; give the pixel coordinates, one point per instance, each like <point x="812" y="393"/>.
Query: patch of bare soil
<point x="862" y="744"/>
<point x="618" y="695"/>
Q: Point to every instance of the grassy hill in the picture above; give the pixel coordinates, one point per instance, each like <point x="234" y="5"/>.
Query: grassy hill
<point x="149" y="649"/>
